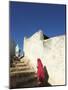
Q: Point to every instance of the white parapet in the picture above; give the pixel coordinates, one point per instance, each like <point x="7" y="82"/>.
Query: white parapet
<point x="52" y="54"/>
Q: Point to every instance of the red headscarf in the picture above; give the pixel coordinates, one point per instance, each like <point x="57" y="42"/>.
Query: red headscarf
<point x="40" y="70"/>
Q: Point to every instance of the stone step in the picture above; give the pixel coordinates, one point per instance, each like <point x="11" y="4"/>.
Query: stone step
<point x="24" y="59"/>
<point x="23" y="72"/>
<point x="25" y="79"/>
<point x="19" y="61"/>
<point x="27" y="84"/>
<point x="22" y="75"/>
<point x="21" y="64"/>
<point x="19" y="68"/>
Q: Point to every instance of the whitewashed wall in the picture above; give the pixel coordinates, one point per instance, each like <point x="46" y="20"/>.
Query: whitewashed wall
<point x="33" y="48"/>
<point x="54" y="59"/>
<point x="52" y="54"/>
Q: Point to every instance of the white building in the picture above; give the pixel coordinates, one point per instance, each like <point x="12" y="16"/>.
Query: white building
<point x="17" y="51"/>
<point x="52" y="53"/>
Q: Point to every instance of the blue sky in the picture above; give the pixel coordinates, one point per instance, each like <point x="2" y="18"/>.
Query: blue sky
<point x="27" y="18"/>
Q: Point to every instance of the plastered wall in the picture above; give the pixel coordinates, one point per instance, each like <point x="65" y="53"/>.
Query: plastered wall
<point x="52" y="54"/>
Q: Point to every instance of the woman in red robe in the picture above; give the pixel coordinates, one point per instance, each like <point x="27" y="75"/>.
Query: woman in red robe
<point x="40" y="72"/>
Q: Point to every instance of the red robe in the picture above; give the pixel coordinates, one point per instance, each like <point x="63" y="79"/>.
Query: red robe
<point x="40" y="71"/>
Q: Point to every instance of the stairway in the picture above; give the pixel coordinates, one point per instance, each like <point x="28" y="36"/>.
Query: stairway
<point x="22" y="75"/>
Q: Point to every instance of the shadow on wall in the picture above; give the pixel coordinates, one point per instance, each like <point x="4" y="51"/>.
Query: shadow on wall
<point x="45" y="83"/>
<point x="46" y="78"/>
